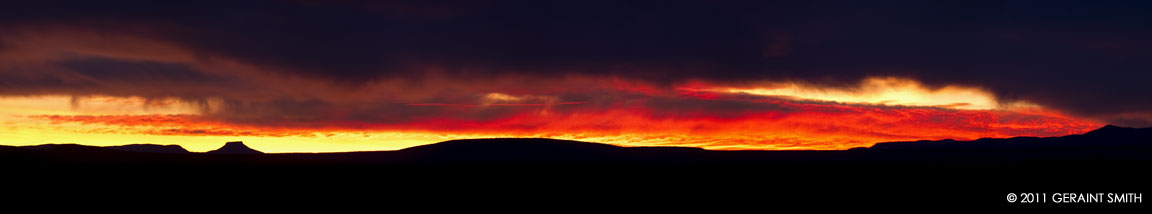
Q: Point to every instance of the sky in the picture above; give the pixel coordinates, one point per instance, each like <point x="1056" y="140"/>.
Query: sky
<point x="326" y="76"/>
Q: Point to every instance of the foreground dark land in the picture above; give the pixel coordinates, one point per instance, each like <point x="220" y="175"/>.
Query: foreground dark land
<point x="960" y="174"/>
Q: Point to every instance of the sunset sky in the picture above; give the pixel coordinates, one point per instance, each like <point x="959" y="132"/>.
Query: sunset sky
<point x="325" y="76"/>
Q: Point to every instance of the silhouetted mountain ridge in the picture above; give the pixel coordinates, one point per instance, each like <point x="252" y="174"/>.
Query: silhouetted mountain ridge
<point x="67" y="148"/>
<point x="145" y="148"/>
<point x="1107" y="137"/>
<point x="511" y="144"/>
<point x="1112" y="130"/>
<point x="532" y="150"/>
<point x="964" y="172"/>
<point x="151" y="148"/>
<point x="1109" y="142"/>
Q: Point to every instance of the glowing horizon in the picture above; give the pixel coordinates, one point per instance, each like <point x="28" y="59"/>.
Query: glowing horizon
<point x="347" y="76"/>
<point x="789" y="116"/>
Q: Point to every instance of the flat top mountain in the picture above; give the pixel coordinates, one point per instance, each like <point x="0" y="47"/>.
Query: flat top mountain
<point x="235" y="147"/>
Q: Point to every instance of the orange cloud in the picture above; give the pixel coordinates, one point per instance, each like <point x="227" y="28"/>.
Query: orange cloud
<point x="878" y="90"/>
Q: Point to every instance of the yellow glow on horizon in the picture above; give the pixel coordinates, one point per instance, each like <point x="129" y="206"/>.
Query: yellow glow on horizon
<point x="17" y="128"/>
<point x="885" y="91"/>
<point x="42" y="132"/>
<point x="327" y="142"/>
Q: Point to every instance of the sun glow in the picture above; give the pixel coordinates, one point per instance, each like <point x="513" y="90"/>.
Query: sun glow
<point x="885" y="91"/>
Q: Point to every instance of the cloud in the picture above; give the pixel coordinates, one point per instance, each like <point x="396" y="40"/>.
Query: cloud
<point x="266" y="59"/>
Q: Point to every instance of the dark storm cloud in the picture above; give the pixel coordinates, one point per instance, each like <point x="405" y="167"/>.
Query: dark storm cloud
<point x="104" y="76"/>
<point x="1087" y="58"/>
